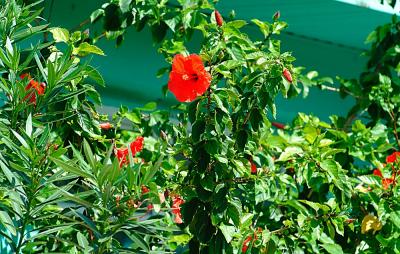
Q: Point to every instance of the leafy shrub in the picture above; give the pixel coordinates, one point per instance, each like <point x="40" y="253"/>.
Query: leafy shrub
<point x="213" y="174"/>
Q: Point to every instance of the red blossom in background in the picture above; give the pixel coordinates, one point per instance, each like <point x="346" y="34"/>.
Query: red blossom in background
<point x="377" y="172"/>
<point x="393" y="157"/>
<point x="122" y="153"/>
<point x="386" y="182"/>
<point x="176" y="209"/>
<point x="34" y="87"/>
<point x="137" y="145"/>
<point x="188" y="78"/>
<point x="288" y="76"/>
<point x="218" y="18"/>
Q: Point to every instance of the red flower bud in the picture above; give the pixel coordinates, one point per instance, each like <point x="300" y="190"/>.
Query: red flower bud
<point x="145" y="189"/>
<point x="105" y="126"/>
<point x="253" y="167"/>
<point x="288" y="76"/>
<point x="246" y="243"/>
<point x="218" y="18"/>
<point x="277" y="15"/>
<point x="278" y="125"/>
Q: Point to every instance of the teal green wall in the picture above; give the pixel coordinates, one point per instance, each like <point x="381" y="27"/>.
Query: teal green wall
<point x="324" y="35"/>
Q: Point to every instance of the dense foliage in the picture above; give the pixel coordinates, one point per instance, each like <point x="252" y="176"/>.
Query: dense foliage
<point x="213" y="174"/>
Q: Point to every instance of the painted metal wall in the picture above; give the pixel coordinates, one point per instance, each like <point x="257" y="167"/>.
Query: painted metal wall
<point x="324" y="35"/>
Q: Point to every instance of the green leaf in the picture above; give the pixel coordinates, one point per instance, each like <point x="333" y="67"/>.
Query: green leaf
<point x="332" y="248"/>
<point x="138" y="240"/>
<point x="228" y="231"/>
<point x="85" y="48"/>
<point x="395" y="218"/>
<point x="95" y="75"/>
<point x="316" y="206"/>
<point x="28" y="126"/>
<point x="264" y="27"/>
<point x="133" y="116"/>
<point x="124" y="5"/>
<point x="89" y="154"/>
<point x="50" y="231"/>
<point x="60" y="34"/>
<point x="83" y="242"/>
<point x="71" y="169"/>
<point x="21" y="139"/>
<point x="152" y="171"/>
<point x="6" y="220"/>
<point x="290" y="152"/>
<point x="150" y="106"/>
<point x="234" y="213"/>
<point x="96" y="15"/>
<point x="198" y="128"/>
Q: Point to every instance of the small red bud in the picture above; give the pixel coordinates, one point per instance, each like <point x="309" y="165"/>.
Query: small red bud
<point x="218" y="18"/>
<point x="145" y="189"/>
<point x="288" y="76"/>
<point x="253" y="167"/>
<point x="278" y="125"/>
<point x="246" y="243"/>
<point x="277" y="15"/>
<point x="105" y="126"/>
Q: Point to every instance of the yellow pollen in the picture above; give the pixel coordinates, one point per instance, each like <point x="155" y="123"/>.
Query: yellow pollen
<point x="185" y="77"/>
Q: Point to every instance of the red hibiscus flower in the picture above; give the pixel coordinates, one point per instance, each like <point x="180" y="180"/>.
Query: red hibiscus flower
<point x="137" y="145"/>
<point x="123" y="153"/>
<point x="288" y="76"/>
<point x="176" y="209"/>
<point x="188" y="78"/>
<point x="33" y="87"/>
<point x="105" y="126"/>
<point x="393" y="157"/>
<point x="386" y="182"/>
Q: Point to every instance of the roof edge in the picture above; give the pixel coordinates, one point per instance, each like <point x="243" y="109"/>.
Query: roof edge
<point x="374" y="5"/>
